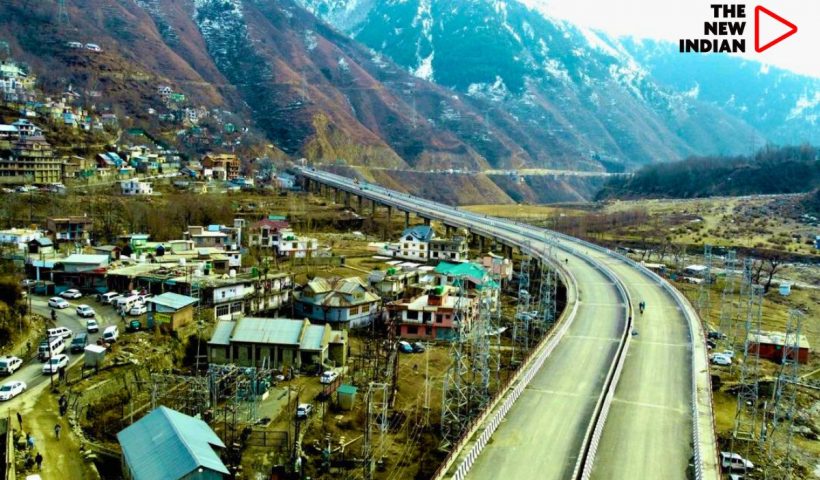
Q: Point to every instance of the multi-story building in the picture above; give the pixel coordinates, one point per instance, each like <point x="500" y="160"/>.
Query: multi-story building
<point x="225" y="166"/>
<point x="136" y="187"/>
<point x="8" y="136"/>
<point x="19" y="237"/>
<point x="345" y="301"/>
<point x="32" y="161"/>
<point x="498" y="266"/>
<point x="265" y="233"/>
<point x="415" y="242"/>
<point x="217" y="236"/>
<point x="276" y="234"/>
<point x="434" y="313"/>
<point x="70" y="229"/>
<point x="451" y="249"/>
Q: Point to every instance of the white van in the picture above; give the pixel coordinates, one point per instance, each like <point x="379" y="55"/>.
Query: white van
<point x="732" y="461"/>
<point x="126" y="302"/>
<point x="111" y="334"/>
<point x="62" y="332"/>
<point x="106" y="297"/>
<point x="57" y="346"/>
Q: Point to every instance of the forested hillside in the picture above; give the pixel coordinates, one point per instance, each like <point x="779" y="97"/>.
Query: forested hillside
<point x="771" y="170"/>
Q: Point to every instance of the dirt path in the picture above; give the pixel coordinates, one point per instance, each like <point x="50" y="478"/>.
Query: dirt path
<point x="62" y="458"/>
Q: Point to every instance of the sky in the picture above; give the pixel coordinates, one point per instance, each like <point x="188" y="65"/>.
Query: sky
<point x="675" y="19"/>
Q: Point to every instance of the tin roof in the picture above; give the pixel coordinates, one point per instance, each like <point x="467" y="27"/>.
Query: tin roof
<point x="173" y="300"/>
<point x="166" y="444"/>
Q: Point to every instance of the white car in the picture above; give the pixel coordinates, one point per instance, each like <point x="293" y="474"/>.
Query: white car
<point x="304" y="410"/>
<point x="92" y="326"/>
<point x="9" y="365"/>
<point x="721" y="359"/>
<point x="733" y="461"/>
<point x="55" y="364"/>
<point x="71" y="293"/>
<point x="57" y="302"/>
<point x="12" y="389"/>
<point x="85" y="311"/>
<point x="329" y="376"/>
<point x="138" y="309"/>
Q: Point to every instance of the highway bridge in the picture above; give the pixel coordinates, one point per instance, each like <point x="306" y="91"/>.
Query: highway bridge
<point x="614" y="395"/>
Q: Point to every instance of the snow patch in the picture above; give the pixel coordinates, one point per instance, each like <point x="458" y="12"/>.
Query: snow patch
<point x="425" y="68"/>
<point x="804" y="103"/>
<point x="495" y="92"/>
<point x="310" y="40"/>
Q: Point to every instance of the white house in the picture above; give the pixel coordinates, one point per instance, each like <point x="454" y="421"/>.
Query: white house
<point x="19" y="237"/>
<point x="415" y="243"/>
<point x="136" y="187"/>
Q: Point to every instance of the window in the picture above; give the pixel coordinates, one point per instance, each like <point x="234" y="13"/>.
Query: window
<point x="295" y="245"/>
<point x="222" y="310"/>
<point x="413" y="330"/>
<point x="406" y="246"/>
<point x="439" y="318"/>
<point x="236" y="307"/>
<point x="307" y="308"/>
<point x="412" y="315"/>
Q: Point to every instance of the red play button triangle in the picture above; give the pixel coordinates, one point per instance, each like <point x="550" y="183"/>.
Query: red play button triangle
<point x="771" y="14"/>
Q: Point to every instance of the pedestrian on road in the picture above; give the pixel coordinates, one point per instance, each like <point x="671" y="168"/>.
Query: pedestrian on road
<point x="39" y="460"/>
<point x="57" y="429"/>
<point x="30" y="441"/>
<point x="20" y="420"/>
<point x="53" y="315"/>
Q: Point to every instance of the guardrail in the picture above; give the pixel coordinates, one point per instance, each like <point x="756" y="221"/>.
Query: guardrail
<point x="538" y="234"/>
<point x="531" y="365"/>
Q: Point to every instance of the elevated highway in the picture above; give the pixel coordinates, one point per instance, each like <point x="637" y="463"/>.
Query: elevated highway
<point x="606" y="402"/>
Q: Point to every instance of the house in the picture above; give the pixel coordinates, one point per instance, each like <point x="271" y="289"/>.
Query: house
<point x="433" y="314"/>
<point x="19" y="237"/>
<point x="27" y="129"/>
<point x="277" y="343"/>
<point x="41" y="246"/>
<point x="112" y="251"/>
<point x="169" y="445"/>
<point x="136" y="187"/>
<point x="70" y="229"/>
<point x="498" y="266"/>
<point x="285" y="181"/>
<point x="32" y="161"/>
<point x="473" y="275"/>
<point x="170" y="311"/>
<point x="79" y="262"/>
<point x="392" y="283"/>
<point x="771" y="345"/>
<point x="415" y="241"/>
<point x="453" y="249"/>
<point x="224" y="165"/>
<point x="217" y="236"/>
<point x="110" y="160"/>
<point x="8" y="136"/>
<point x="344" y="301"/>
<point x="265" y="233"/>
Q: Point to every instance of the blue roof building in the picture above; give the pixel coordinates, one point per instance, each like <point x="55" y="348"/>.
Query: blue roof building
<point x="169" y="445"/>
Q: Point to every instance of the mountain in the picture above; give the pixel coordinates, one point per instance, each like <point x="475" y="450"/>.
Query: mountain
<point x="402" y="84"/>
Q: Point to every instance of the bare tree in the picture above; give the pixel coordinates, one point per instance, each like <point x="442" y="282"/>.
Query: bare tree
<point x="772" y="263"/>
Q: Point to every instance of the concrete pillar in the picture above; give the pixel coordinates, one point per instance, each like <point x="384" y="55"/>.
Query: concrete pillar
<point x="388" y="225"/>
<point x="406" y="220"/>
<point x="372" y="208"/>
<point x="481" y="245"/>
<point x="427" y="221"/>
<point x="347" y="199"/>
<point x="359" y="210"/>
<point x="336" y="195"/>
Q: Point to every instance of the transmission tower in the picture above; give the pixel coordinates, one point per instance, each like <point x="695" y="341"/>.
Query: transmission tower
<point x="784" y="398"/>
<point x="746" y="421"/>
<point x="62" y="13"/>
<point x="480" y="332"/>
<point x="546" y="307"/>
<point x="727" y="297"/>
<point x="454" y="400"/>
<point x="523" y="313"/>
<point x="378" y="398"/>
<point x="705" y="286"/>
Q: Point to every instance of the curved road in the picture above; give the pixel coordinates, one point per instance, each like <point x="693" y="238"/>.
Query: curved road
<point x="648" y="433"/>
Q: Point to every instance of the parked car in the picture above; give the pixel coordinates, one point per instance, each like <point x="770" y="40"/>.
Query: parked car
<point x="9" y="365"/>
<point x="138" y="309"/>
<point x="721" y="359"/>
<point x="79" y="343"/>
<point x="63" y="332"/>
<point x="405" y="347"/>
<point x="328" y="377"/>
<point x="133" y="326"/>
<point x="71" y="293"/>
<point x="57" y="302"/>
<point x="419" y="347"/>
<point x="107" y="297"/>
<point x="91" y="326"/>
<point x="111" y="334"/>
<point x="733" y="461"/>
<point x="304" y="410"/>
<point x="12" y="389"/>
<point x="85" y="311"/>
<point x="55" y="364"/>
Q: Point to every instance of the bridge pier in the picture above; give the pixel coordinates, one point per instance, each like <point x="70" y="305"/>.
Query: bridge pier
<point x="336" y="192"/>
<point x="406" y="220"/>
<point x="372" y="208"/>
<point x="359" y="210"/>
<point x="387" y="226"/>
<point x="347" y="200"/>
<point x="426" y="221"/>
